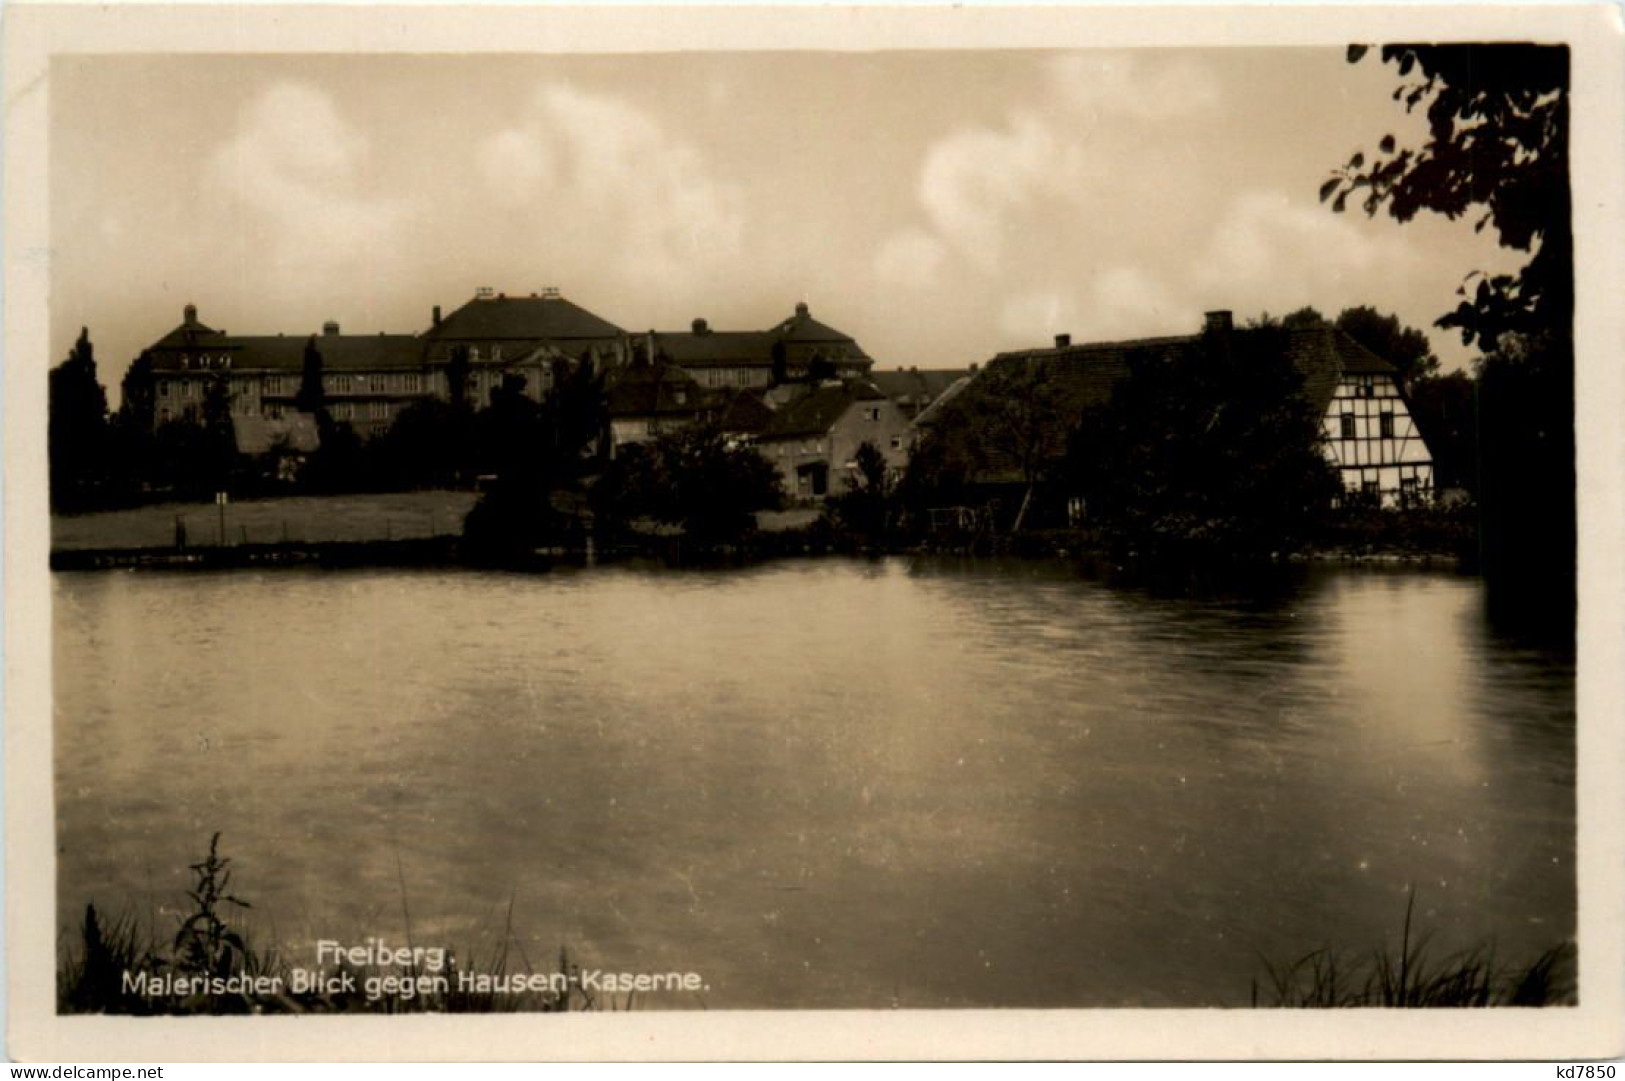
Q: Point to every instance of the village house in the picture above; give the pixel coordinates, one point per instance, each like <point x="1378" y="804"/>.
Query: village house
<point x="813" y="441"/>
<point x="648" y="400"/>
<point x="914" y="389"/>
<point x="1370" y="437"/>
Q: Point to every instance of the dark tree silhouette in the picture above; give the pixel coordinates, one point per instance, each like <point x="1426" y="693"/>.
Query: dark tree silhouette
<point x="312" y="395"/>
<point x="690" y="478"/>
<point x="1024" y="420"/>
<point x="1406" y="348"/>
<point x="1446" y="411"/>
<point x="138" y="394"/>
<point x="781" y="365"/>
<point x="865" y="507"/>
<point x="1214" y="453"/>
<point x="1498" y="148"/>
<point x="77" y="431"/>
<point x="458" y="370"/>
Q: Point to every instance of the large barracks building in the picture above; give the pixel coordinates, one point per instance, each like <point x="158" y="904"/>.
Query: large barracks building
<point x="368" y="379"/>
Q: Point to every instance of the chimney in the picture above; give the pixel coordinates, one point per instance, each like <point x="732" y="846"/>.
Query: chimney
<point x="701" y="327"/>
<point x="801" y="309"/>
<point x="437" y="315"/>
<point x="190" y="314"/>
<point x="1062" y="341"/>
<point x="330" y="328"/>
<point x="1219" y="323"/>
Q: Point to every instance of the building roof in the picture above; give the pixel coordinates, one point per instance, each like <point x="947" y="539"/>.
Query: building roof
<point x="715" y="348"/>
<point x="745" y="413"/>
<point x="804" y="337"/>
<point x="1076" y="378"/>
<point x="651" y="390"/>
<point x="816" y="411"/>
<point x="916" y="386"/>
<point x="531" y="318"/>
<point x="802" y="327"/>
<point x="929" y="415"/>
<point x="340" y="352"/>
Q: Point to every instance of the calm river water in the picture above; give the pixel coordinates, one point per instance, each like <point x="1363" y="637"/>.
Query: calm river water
<point x="825" y="783"/>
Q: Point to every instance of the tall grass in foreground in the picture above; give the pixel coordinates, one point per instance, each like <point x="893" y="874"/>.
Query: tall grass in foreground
<point x="1470" y="978"/>
<point x="93" y="973"/>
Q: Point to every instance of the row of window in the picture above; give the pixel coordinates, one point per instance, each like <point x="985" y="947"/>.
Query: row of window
<point x="342" y="411"/>
<point x="287" y="385"/>
<point x="205" y="362"/>
<point x="1385" y="426"/>
<point x="389" y="383"/>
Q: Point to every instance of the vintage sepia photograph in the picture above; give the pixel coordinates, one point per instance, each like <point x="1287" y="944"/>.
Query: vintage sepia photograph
<point x="1026" y="524"/>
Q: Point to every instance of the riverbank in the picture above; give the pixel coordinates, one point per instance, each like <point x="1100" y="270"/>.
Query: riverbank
<point x="425" y="529"/>
<point x="301" y="520"/>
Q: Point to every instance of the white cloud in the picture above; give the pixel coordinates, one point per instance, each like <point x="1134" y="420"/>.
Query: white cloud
<point x="911" y="258"/>
<point x="975" y="179"/>
<point x="1129" y="301"/>
<point x="514" y="164"/>
<point x="1136" y="86"/>
<point x="604" y="178"/>
<point x="1122" y="302"/>
<point x="290" y="186"/>
<point x="1034" y="317"/>
<point x="1270" y="245"/>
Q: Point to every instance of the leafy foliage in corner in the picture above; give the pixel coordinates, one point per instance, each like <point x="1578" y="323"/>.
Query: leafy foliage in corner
<point x="1498" y="148"/>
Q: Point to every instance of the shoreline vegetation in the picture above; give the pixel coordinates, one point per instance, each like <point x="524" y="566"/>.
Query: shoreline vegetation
<point x="212" y="965"/>
<point x="427" y="529"/>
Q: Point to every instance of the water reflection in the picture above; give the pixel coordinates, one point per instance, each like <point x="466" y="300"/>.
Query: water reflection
<point x="828" y="783"/>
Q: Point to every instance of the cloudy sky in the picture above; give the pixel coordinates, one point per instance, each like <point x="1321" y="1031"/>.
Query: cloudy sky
<point x="938" y="206"/>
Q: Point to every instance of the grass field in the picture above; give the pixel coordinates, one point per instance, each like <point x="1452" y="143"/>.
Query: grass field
<point x="307" y="519"/>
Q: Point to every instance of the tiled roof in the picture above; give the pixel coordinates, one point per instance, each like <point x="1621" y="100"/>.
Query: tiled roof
<point x="532" y="318"/>
<point x="931" y="413"/>
<point x="916" y="386"/>
<point x="1358" y="359"/>
<point x="814" y="412"/>
<point x="340" y="352"/>
<point x="745" y="412"/>
<point x="1076" y="378"/>
<point x="807" y="336"/>
<point x="716" y="348"/>
<point x="649" y="390"/>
